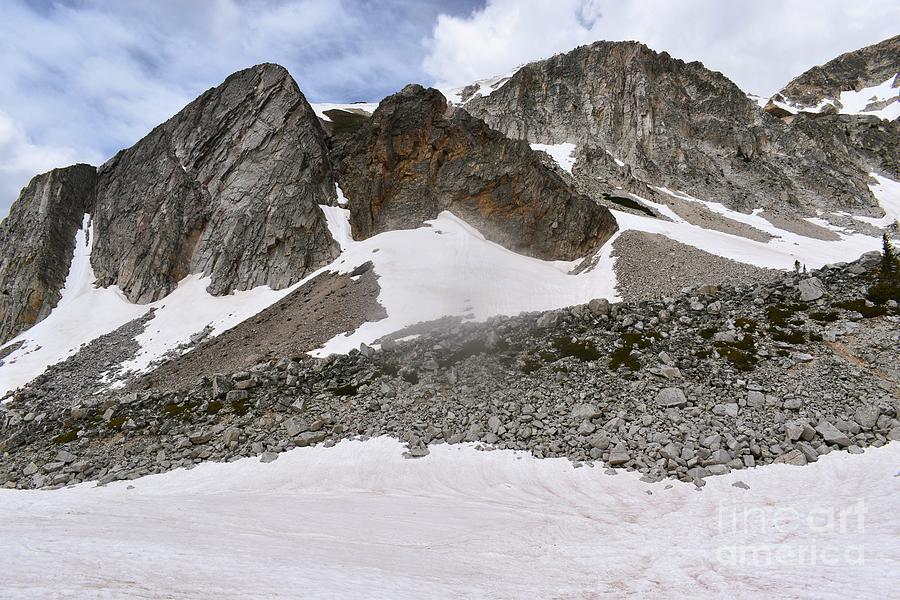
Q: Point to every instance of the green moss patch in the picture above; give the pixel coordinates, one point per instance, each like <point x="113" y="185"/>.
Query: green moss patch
<point x="240" y="407"/>
<point x="708" y="333"/>
<point x="625" y="355"/>
<point x="343" y="121"/>
<point x="783" y="314"/>
<point x="584" y="350"/>
<point x="117" y="422"/>
<point x="788" y="335"/>
<point x="824" y="316"/>
<point x="859" y="305"/>
<point x="741" y="353"/>
<point x="65" y="438"/>
<point x="179" y="409"/>
<point x="746" y="324"/>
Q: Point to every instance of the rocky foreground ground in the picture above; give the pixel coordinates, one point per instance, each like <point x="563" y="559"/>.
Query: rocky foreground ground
<point x="698" y="384"/>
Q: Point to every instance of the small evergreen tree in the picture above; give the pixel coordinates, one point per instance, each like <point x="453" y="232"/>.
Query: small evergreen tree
<point x="888" y="259"/>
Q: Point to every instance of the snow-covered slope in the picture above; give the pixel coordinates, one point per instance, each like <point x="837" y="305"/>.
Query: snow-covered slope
<point x="358" y="520"/>
<point x="444" y="268"/>
<point x="482" y="87"/>
<point x="882" y="100"/>
<point x="86" y="312"/>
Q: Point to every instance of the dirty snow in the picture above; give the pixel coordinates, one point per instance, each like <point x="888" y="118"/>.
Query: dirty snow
<point x="357" y="520"/>
<point x="778" y="253"/>
<point x="447" y="268"/>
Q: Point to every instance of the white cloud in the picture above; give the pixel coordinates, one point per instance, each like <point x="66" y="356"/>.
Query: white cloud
<point x="21" y="159"/>
<point x="759" y="45"/>
<point x="94" y="76"/>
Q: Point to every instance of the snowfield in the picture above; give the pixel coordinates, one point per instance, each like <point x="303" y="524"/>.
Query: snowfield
<point x="358" y="520"/>
<point x="444" y="268"/>
<point x="85" y="312"/>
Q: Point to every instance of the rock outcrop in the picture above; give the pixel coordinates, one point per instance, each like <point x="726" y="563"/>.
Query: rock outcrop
<point x="856" y="70"/>
<point x="674" y="124"/>
<point x="230" y="187"/>
<point x="417" y="156"/>
<point x="37" y="241"/>
<point x="873" y="144"/>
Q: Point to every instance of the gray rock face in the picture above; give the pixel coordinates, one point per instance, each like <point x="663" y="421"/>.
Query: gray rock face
<point x="229" y="187"/>
<point x="811" y="289"/>
<point x="417" y="156"/>
<point x="866" y="140"/>
<point x="854" y="70"/>
<point x="672" y="123"/>
<point x="37" y="240"/>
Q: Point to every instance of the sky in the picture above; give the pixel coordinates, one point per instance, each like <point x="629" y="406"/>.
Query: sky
<point x="83" y="79"/>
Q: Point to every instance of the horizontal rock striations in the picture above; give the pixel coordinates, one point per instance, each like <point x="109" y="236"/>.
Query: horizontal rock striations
<point x="229" y="187"/>
<point x="37" y="241"/>
<point x="417" y="156"/>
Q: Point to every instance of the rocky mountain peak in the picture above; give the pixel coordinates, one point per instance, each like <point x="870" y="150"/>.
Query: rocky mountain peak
<point x="671" y="123"/>
<point x="418" y="156"/>
<point x="852" y="71"/>
<point x="230" y="187"/>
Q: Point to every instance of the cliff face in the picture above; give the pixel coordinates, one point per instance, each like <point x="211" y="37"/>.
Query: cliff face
<point x="229" y="187"/>
<point x="417" y="156"/>
<point x="856" y="70"/>
<point x="675" y="124"/>
<point x="873" y="144"/>
<point x="37" y="241"/>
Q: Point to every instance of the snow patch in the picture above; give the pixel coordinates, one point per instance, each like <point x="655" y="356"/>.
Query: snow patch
<point x="852" y="102"/>
<point x="563" y="154"/>
<point x="358" y="520"/>
<point x="447" y="268"/>
<point x="86" y="312"/>
<point x="857" y="103"/>
<point x="777" y="253"/>
<point x="887" y="193"/>
<point x="320" y="107"/>
<point x="485" y="88"/>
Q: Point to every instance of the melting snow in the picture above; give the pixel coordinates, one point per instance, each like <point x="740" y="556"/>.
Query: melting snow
<point x="448" y="268"/>
<point x="485" y="88"/>
<point x="778" y="253"/>
<point x="357" y="520"/>
<point x="856" y="103"/>
<point x="86" y="312"/>
<point x="887" y="192"/>
<point x="563" y="154"/>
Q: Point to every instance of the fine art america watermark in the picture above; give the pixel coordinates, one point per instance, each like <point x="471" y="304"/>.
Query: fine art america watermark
<point x="784" y="535"/>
